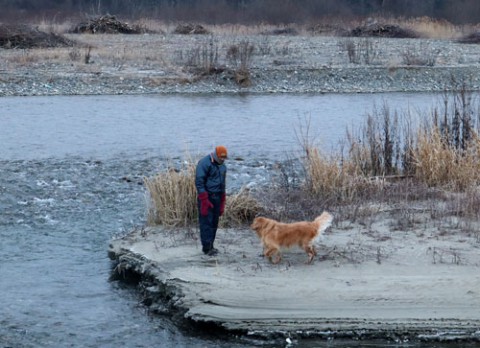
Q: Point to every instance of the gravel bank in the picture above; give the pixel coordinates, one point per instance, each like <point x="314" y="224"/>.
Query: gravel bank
<point x="139" y="64"/>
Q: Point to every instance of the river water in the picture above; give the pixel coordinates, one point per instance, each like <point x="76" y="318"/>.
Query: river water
<point x="71" y="170"/>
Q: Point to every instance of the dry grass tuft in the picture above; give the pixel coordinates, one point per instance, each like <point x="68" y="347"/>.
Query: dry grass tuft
<point x="434" y="28"/>
<point x="172" y="200"/>
<point x="442" y="165"/>
<point x="388" y="162"/>
<point x="172" y="197"/>
<point x="328" y="176"/>
<point x="240" y="208"/>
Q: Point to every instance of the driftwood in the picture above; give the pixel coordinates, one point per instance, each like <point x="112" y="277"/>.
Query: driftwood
<point x="473" y="38"/>
<point x="106" y="25"/>
<point x="24" y="36"/>
<point x="390" y="178"/>
<point x="386" y="30"/>
<point x="187" y="29"/>
<point x="281" y="31"/>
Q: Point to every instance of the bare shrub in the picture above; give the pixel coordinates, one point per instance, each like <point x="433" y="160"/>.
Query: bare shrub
<point x="240" y="56"/>
<point x="265" y="46"/>
<point x="363" y="51"/>
<point x="351" y="48"/>
<point x="74" y="54"/>
<point x="188" y="29"/>
<point x="419" y="57"/>
<point x="292" y="205"/>
<point x="88" y="55"/>
<point x="377" y="149"/>
<point x="240" y="208"/>
<point x="281" y="31"/>
<point x="383" y="30"/>
<point x="457" y="124"/>
<point x="204" y="57"/>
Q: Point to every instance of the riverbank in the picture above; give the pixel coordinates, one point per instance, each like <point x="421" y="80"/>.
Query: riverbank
<point x="172" y="63"/>
<point x="368" y="281"/>
<point x="375" y="279"/>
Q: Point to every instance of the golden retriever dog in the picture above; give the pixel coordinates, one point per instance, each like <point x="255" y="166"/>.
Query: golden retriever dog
<point x="276" y="235"/>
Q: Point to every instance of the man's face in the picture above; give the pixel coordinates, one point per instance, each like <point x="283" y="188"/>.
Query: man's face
<point x="222" y="159"/>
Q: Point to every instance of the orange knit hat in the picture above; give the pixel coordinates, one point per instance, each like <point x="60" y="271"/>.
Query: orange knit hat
<point x="221" y="151"/>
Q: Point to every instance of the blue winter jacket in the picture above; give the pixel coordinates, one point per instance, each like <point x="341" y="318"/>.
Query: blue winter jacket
<point x="210" y="176"/>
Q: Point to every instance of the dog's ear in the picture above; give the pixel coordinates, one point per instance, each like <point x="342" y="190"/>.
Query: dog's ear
<point x="255" y="222"/>
<point x="260" y="220"/>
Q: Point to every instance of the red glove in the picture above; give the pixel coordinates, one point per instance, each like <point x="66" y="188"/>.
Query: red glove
<point x="205" y="204"/>
<point x="222" y="203"/>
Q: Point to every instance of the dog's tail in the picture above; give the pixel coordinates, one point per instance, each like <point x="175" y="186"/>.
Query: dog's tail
<point x="323" y="222"/>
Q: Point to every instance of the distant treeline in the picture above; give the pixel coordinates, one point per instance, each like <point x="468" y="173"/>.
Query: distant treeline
<point x="242" y="11"/>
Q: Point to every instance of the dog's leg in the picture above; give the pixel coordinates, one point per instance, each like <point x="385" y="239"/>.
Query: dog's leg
<point x="278" y="258"/>
<point x="268" y="253"/>
<point x="271" y="252"/>
<point x="311" y="252"/>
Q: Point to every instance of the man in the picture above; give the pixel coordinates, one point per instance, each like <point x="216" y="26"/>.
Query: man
<point x="210" y="176"/>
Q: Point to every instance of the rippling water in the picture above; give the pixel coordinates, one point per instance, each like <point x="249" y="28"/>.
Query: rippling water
<point x="70" y="178"/>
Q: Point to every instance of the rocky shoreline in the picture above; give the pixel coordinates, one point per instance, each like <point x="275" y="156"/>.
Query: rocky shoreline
<point x="156" y="64"/>
<point x="327" y="80"/>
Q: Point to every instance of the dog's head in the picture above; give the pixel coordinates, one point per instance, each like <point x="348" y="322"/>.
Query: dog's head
<point x="257" y="224"/>
<point x="261" y="225"/>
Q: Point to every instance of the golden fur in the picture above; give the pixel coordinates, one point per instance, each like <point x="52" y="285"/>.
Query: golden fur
<point x="275" y="235"/>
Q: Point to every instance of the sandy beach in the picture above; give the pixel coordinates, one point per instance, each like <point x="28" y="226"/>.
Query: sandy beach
<point x="368" y="281"/>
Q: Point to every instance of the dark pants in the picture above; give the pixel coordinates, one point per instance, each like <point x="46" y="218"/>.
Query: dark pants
<point x="209" y="222"/>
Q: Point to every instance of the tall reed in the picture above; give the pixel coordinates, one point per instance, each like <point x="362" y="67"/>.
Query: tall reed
<point x="441" y="150"/>
<point x="172" y="197"/>
<point x="332" y="178"/>
<point x="441" y="164"/>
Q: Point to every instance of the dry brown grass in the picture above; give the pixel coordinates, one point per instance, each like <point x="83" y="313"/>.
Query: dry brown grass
<point x="172" y="197"/>
<point x="172" y="200"/>
<point x="333" y="178"/>
<point x="434" y="28"/>
<point x="439" y="164"/>
<point x="426" y="26"/>
<point x="438" y="168"/>
<point x="442" y="154"/>
<point x="240" y="209"/>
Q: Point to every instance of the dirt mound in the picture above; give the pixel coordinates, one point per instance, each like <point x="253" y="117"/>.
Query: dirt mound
<point x="281" y="31"/>
<point x="383" y="30"/>
<point x="186" y="29"/>
<point x="24" y="36"/>
<point x="473" y="38"/>
<point x="106" y="25"/>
